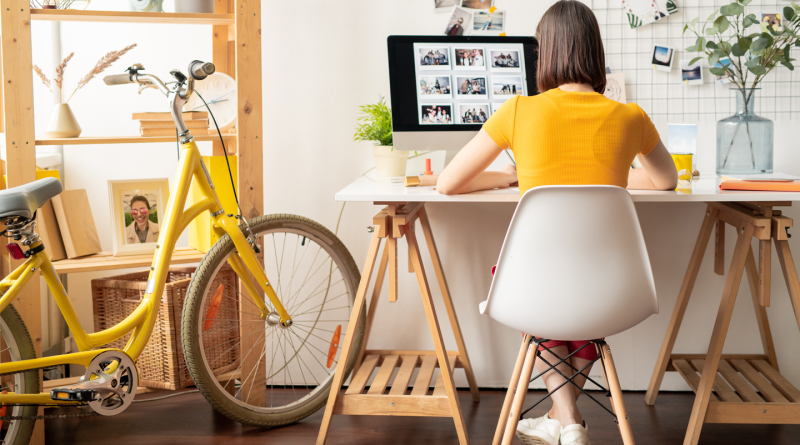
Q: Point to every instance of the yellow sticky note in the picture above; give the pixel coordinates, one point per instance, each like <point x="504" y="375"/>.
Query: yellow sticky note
<point x="502" y="34"/>
<point x="492" y="9"/>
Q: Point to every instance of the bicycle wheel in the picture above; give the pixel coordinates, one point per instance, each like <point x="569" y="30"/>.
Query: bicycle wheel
<point x="316" y="280"/>
<point x="17" y="345"/>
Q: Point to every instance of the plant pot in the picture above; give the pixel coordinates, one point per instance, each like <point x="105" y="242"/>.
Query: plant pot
<point x="389" y="162"/>
<point x="195" y="6"/>
<point x="63" y="123"/>
<point x="744" y="140"/>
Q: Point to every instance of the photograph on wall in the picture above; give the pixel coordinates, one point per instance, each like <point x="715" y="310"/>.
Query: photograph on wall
<point x="445" y="5"/>
<point x="663" y="58"/>
<point x="644" y="12"/>
<point x="434" y="86"/>
<point x="459" y="23"/>
<point x="473" y="87"/>
<point x="615" y="87"/>
<point x="137" y="206"/>
<point x="692" y="74"/>
<point x="488" y="23"/>
<point x="436" y="114"/>
<point x="433" y="58"/>
<point x="504" y="87"/>
<point x="473" y="113"/>
<point x="504" y="59"/>
<point x="477" y="4"/>
<point x="723" y="79"/>
<point x="472" y="58"/>
<point x="772" y="20"/>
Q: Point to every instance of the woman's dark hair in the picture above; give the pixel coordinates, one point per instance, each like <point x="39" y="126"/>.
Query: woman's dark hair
<point x="140" y="198"/>
<point x="570" y="47"/>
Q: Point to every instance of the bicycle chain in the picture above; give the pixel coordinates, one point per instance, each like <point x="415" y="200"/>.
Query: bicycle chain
<point x="45" y="417"/>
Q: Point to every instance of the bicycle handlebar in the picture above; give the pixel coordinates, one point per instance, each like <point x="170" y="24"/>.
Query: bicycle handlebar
<point x="118" y="79"/>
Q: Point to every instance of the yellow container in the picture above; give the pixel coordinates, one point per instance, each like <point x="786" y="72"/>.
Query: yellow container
<point x="40" y="174"/>
<point x="683" y="163"/>
<point x="200" y="234"/>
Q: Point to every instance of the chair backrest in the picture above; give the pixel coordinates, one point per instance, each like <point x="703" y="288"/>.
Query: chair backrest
<point x="573" y="266"/>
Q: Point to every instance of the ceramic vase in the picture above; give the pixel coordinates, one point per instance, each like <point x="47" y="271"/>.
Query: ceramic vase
<point x="388" y="161"/>
<point x="744" y="140"/>
<point x="195" y="6"/>
<point x="63" y="123"/>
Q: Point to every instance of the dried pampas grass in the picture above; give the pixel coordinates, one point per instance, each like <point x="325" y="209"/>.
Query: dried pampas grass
<point x="41" y="75"/>
<point x="60" y="74"/>
<point x="101" y="66"/>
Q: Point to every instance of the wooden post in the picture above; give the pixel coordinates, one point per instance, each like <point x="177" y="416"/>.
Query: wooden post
<point x="612" y="381"/>
<point x="221" y="58"/>
<point x="719" y="248"/>
<point x="15" y="25"/>
<point x="520" y="393"/>
<point x="761" y="312"/>
<point x="512" y="385"/>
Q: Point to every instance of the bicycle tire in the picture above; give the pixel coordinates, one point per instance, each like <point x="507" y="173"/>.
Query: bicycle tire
<point x="194" y="310"/>
<point x="20" y="347"/>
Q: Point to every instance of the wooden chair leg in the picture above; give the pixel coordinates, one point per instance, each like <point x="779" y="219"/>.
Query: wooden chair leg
<point x="612" y="380"/>
<point x="761" y="311"/>
<point x="519" y="397"/>
<point x="358" y="304"/>
<point x="718" y="335"/>
<point x="680" y="305"/>
<point x="501" y="423"/>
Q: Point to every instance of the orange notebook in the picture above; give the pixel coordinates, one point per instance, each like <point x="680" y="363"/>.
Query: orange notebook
<point x="767" y="186"/>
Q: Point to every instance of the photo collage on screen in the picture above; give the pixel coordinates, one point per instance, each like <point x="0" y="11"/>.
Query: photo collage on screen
<point x="460" y="84"/>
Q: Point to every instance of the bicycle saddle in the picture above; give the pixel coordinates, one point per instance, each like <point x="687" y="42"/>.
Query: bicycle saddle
<point x="26" y="199"/>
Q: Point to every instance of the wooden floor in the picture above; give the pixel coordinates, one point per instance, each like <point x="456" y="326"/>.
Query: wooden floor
<point x="190" y="420"/>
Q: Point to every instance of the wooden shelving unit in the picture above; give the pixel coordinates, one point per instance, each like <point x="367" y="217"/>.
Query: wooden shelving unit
<point x="236" y="40"/>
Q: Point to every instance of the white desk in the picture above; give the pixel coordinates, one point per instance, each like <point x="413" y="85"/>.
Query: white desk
<point x="750" y="213"/>
<point x="705" y="189"/>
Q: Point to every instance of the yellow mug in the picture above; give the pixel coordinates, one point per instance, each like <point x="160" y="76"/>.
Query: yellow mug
<point x="683" y="163"/>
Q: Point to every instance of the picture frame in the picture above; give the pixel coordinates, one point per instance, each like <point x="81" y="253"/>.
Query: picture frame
<point x="663" y="58"/>
<point x="692" y="74"/>
<point x="135" y="203"/>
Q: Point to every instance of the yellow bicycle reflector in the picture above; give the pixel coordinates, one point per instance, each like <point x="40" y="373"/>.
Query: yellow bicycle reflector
<point x="213" y="308"/>
<point x="334" y="345"/>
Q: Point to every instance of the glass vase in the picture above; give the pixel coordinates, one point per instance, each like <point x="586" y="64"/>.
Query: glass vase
<point x="744" y="140"/>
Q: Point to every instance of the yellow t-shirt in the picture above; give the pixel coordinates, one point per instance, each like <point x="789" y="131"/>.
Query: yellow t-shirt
<point x="572" y="138"/>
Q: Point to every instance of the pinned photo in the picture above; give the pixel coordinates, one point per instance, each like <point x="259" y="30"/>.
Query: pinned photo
<point x="485" y="22"/>
<point x="459" y="22"/>
<point x="692" y="74"/>
<point x="445" y="5"/>
<point x="434" y="86"/>
<point x="506" y="87"/>
<point x="505" y="59"/>
<point x="663" y="58"/>
<point x="471" y="87"/>
<point x="433" y="58"/>
<point x="477" y="4"/>
<point x="436" y="114"/>
<point x="772" y="20"/>
<point x="469" y="58"/>
<point x="473" y="113"/>
<point x="722" y="64"/>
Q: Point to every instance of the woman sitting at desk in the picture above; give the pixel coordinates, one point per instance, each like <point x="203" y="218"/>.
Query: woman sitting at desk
<point x="570" y="134"/>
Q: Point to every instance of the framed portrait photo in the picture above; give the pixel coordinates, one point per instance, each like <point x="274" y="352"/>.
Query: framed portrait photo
<point x="136" y="208"/>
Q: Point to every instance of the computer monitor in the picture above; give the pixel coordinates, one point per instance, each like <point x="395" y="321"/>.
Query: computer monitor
<point x="443" y="88"/>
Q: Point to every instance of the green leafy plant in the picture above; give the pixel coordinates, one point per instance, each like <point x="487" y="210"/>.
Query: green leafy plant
<point x="751" y="53"/>
<point x="375" y="123"/>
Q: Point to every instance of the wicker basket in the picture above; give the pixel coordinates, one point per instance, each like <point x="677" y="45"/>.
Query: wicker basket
<point x="161" y="364"/>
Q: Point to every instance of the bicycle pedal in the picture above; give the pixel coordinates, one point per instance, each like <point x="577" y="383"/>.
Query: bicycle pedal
<point x="73" y="394"/>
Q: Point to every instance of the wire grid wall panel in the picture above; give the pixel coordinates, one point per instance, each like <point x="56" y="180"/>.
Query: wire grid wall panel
<point x="664" y="96"/>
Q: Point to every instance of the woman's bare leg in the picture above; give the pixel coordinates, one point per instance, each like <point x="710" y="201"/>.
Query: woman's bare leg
<point x="565" y="408"/>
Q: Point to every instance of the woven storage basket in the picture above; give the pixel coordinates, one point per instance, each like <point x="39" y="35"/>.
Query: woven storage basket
<point x="161" y="364"/>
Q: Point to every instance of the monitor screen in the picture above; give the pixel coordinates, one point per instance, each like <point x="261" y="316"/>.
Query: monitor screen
<point x="444" y="84"/>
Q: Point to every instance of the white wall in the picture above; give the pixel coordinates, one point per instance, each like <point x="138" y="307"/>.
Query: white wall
<point x="310" y="108"/>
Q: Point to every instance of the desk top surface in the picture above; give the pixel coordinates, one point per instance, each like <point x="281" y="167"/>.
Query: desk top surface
<point x="703" y="189"/>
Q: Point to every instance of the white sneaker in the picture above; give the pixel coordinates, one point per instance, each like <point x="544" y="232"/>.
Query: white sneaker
<point x="575" y="434"/>
<point x="539" y="431"/>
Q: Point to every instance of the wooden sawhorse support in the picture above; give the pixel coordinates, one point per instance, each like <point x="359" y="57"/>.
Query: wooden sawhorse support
<point x="723" y="394"/>
<point x="395" y="221"/>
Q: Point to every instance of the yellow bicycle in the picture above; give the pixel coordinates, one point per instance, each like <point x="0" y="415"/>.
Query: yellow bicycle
<point x="262" y="352"/>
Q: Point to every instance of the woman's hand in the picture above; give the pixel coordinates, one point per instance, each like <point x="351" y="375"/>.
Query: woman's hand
<point x="511" y="171"/>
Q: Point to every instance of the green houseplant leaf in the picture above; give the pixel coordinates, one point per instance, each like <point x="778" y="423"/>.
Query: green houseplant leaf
<point x="375" y="123"/>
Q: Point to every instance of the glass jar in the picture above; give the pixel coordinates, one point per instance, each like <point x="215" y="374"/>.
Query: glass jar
<point x="744" y="140"/>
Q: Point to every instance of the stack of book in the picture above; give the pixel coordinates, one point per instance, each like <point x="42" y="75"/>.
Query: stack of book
<point x="775" y="182"/>
<point x="161" y="124"/>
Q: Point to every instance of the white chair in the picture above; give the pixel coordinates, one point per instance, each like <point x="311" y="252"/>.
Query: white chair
<point x="573" y="267"/>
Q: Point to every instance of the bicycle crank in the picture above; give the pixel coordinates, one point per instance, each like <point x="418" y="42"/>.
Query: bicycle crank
<point x="108" y="387"/>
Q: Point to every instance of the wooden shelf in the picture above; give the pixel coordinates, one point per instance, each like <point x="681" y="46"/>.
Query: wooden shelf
<point x="107" y="261"/>
<point x="71" y="15"/>
<point x="94" y="140"/>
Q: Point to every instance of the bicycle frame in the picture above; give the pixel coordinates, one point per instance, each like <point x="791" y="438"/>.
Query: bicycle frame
<point x="177" y="217"/>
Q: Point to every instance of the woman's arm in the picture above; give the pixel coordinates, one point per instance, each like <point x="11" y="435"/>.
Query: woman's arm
<point x="466" y="171"/>
<point x="659" y="172"/>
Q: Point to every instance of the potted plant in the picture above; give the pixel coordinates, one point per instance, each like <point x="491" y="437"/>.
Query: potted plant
<point x="744" y="50"/>
<point x="375" y="125"/>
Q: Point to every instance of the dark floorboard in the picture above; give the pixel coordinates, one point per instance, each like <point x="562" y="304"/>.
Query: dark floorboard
<point x="189" y="419"/>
